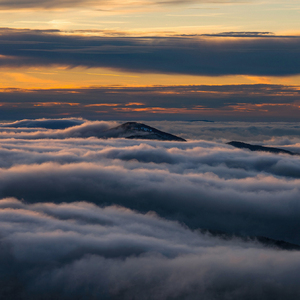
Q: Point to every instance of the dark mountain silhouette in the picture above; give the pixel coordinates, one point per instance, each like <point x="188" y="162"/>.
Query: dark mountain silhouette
<point x="134" y="130"/>
<point x="242" y="145"/>
<point x="274" y="243"/>
<point x="267" y="242"/>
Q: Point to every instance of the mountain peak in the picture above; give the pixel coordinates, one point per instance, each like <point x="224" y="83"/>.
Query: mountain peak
<point x="135" y="130"/>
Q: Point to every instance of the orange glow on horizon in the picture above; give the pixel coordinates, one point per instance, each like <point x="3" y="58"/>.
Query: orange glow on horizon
<point x="76" y="78"/>
<point x="49" y="104"/>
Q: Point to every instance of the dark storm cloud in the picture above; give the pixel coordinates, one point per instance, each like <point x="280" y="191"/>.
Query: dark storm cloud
<point x="78" y="250"/>
<point x="177" y="55"/>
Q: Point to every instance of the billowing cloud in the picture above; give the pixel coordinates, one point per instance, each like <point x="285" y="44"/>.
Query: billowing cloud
<point x="270" y="56"/>
<point x="269" y="133"/>
<point x="207" y="185"/>
<point x="78" y="250"/>
<point x="83" y="217"/>
<point x="58" y="129"/>
<point x="278" y="134"/>
<point x="44" y="123"/>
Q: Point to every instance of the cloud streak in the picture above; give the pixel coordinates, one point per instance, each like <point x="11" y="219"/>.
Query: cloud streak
<point x="259" y="102"/>
<point x="55" y="4"/>
<point x="276" y="56"/>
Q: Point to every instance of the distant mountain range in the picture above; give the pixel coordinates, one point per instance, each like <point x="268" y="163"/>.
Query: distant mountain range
<point x="242" y="145"/>
<point x="134" y="130"/>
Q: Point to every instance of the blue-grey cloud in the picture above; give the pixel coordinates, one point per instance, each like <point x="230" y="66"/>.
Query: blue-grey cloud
<point x="45" y="123"/>
<point x="119" y="219"/>
<point x="207" y="185"/>
<point x="78" y="250"/>
<point x="277" y="56"/>
<point x="259" y="102"/>
<point x="279" y="134"/>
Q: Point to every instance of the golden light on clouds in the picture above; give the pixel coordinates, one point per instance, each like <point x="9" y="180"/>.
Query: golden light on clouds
<point x="66" y="78"/>
<point x="82" y="44"/>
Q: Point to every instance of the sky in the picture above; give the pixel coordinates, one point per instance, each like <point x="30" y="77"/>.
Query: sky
<point x="150" y="60"/>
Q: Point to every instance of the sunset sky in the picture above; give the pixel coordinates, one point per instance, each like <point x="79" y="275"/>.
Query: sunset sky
<point x="149" y="149"/>
<point x="144" y="60"/>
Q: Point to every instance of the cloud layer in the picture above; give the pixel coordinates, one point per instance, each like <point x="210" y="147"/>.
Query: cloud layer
<point x="213" y="56"/>
<point x="207" y="185"/>
<point x="88" y="218"/>
<point x="78" y="250"/>
<point x="44" y="123"/>
<point x="258" y="102"/>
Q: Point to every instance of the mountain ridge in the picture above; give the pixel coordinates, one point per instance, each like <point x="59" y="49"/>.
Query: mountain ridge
<point x="242" y="145"/>
<point x="135" y="130"/>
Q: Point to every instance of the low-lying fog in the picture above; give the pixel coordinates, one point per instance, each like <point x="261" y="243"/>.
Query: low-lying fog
<point x="89" y="218"/>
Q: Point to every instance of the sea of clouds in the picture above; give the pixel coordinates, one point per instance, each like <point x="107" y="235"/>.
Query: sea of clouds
<point x="88" y="218"/>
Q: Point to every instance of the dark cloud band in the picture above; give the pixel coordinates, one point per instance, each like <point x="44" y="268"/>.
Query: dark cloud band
<point x="259" y="102"/>
<point x="176" y="55"/>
